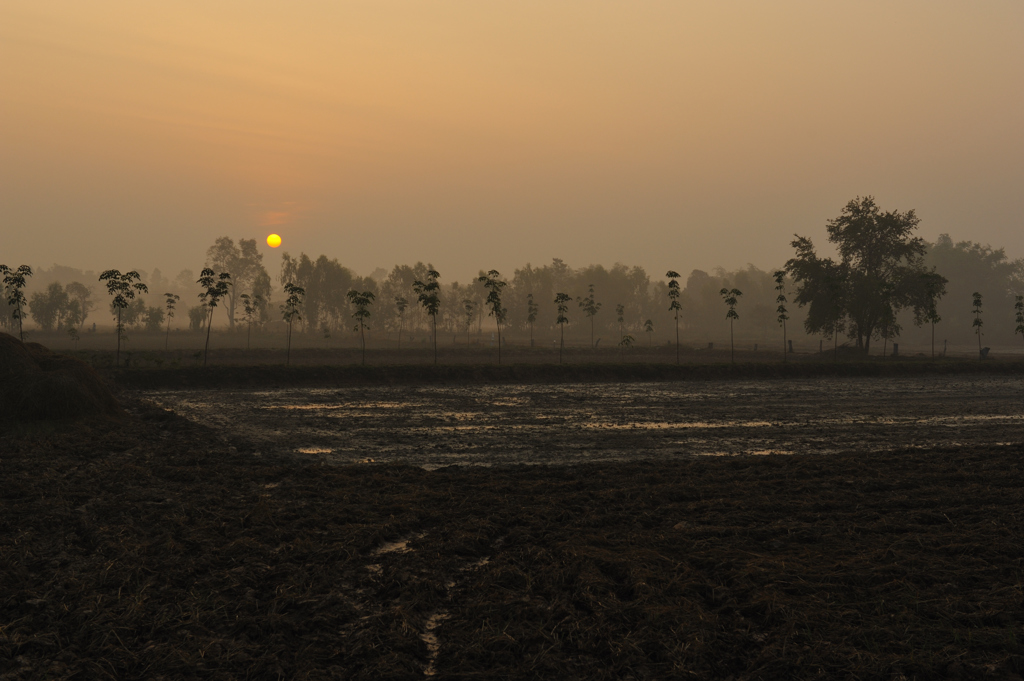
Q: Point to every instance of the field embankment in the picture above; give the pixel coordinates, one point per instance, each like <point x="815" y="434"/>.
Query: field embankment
<point x="277" y="375"/>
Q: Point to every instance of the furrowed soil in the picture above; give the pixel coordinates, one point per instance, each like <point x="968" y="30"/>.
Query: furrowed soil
<point x="173" y="544"/>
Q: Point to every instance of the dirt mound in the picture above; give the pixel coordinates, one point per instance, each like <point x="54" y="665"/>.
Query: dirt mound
<point x="15" y="359"/>
<point x="38" y="384"/>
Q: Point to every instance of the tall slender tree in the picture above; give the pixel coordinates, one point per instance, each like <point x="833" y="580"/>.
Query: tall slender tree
<point x="469" y="314"/>
<point x="674" y="306"/>
<point x="590" y="307"/>
<point x="362" y="301"/>
<point x="400" y="304"/>
<point x="215" y="287"/>
<point x="251" y="306"/>
<point x="1018" y="305"/>
<point x="531" y="314"/>
<point x="620" y="317"/>
<point x="780" y="286"/>
<point x="927" y="312"/>
<point x="429" y="297"/>
<point x="14" y="282"/>
<point x="292" y="310"/>
<point x="123" y="288"/>
<point x="494" y="285"/>
<point x="731" y="296"/>
<point x="170" y="301"/>
<point x="649" y="328"/>
<point x="978" y="323"/>
<point x="562" y="304"/>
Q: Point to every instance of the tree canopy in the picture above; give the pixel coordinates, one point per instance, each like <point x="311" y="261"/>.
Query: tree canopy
<point x="880" y="272"/>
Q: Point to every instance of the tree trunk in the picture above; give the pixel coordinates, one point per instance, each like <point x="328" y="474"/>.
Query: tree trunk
<point x="209" y="325"/>
<point x="677" y="337"/>
<point x="785" y="355"/>
<point x="732" y="345"/>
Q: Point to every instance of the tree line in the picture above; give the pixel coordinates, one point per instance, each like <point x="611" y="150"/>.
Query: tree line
<point x="885" y="284"/>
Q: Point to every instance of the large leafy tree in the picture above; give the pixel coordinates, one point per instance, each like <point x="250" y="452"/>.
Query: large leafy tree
<point x="79" y="293"/>
<point x="879" y="272"/>
<point x="50" y="308"/>
<point x="245" y="262"/>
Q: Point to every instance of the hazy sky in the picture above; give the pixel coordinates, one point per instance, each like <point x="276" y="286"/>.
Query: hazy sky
<point x="483" y="134"/>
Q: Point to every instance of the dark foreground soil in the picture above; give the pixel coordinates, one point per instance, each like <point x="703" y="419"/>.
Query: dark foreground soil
<point x="156" y="549"/>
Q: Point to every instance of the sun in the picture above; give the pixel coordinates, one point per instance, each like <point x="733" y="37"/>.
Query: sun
<point x="273" y="241"/>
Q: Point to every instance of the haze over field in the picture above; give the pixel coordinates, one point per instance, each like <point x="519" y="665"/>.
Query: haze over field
<point x="476" y="135"/>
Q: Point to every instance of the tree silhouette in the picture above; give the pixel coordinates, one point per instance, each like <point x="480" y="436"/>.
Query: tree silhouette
<point x="79" y="293"/>
<point x="123" y="288"/>
<point x="531" y="314"/>
<point x="978" y="323"/>
<point x="170" y="300"/>
<point x="562" y="303"/>
<point x="469" y="310"/>
<point x="674" y="306"/>
<point x="926" y="312"/>
<point x="14" y="282"/>
<point x="362" y="301"/>
<point x="881" y="264"/>
<point x="780" y="286"/>
<point x="291" y="311"/>
<point x="620" y="317"/>
<point x="400" y="304"/>
<point x="251" y="305"/>
<point x="494" y="285"/>
<point x="730" y="296"/>
<point x="1018" y="305"/>
<point x="649" y="328"/>
<point x="590" y="308"/>
<point x="245" y="262"/>
<point x="216" y="287"/>
<point x="429" y="297"/>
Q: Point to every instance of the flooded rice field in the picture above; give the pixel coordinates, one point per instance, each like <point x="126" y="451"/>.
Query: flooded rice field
<point x="435" y="426"/>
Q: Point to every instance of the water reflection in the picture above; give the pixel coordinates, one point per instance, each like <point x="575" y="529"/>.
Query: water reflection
<point x="529" y="424"/>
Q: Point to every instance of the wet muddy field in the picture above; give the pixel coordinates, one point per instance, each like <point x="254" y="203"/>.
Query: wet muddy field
<point x="315" y="533"/>
<point x="434" y="426"/>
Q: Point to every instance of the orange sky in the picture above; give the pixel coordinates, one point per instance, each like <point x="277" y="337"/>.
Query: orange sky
<point x="488" y="134"/>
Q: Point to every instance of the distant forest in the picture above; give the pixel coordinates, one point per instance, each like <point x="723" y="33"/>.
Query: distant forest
<point x="625" y="300"/>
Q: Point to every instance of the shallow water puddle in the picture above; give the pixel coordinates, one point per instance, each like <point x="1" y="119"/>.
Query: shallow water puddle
<point x="479" y="425"/>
